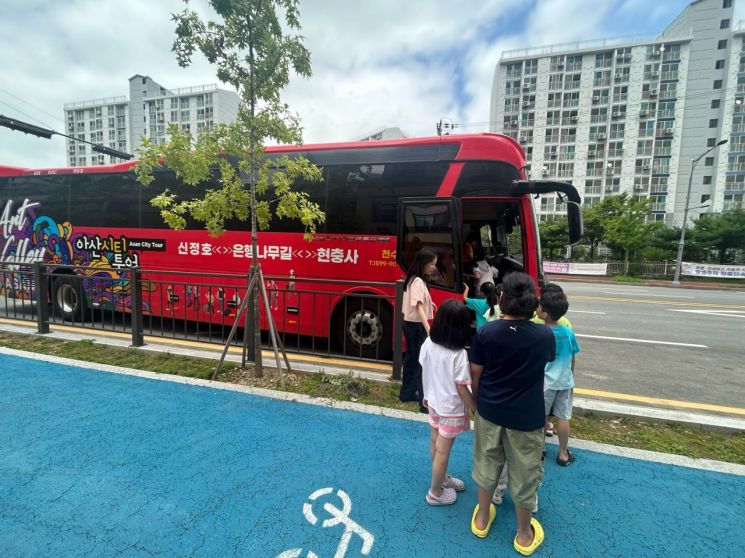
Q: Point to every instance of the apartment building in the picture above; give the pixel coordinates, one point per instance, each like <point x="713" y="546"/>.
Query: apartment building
<point x="631" y="114"/>
<point x="121" y="122"/>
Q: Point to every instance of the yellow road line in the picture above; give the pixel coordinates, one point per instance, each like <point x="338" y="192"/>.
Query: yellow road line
<point x="660" y="402"/>
<point x="665" y="302"/>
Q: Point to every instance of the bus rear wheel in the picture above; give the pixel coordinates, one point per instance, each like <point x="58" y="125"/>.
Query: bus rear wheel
<point x="364" y="328"/>
<point x="67" y="298"/>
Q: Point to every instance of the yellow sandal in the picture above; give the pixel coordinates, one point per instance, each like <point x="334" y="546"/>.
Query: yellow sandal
<point x="537" y="539"/>
<point x="481" y="533"/>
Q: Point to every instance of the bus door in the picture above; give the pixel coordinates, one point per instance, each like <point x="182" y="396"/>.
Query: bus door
<point x="432" y="223"/>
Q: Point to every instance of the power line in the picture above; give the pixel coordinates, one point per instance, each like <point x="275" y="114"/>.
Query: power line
<point x="57" y="118"/>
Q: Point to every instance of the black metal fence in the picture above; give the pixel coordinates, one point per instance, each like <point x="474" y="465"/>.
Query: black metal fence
<point x="316" y="317"/>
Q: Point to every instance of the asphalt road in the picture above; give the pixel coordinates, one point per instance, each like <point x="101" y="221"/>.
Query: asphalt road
<point x="671" y="343"/>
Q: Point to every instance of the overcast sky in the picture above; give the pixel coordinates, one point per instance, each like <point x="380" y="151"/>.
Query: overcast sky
<point x="375" y="63"/>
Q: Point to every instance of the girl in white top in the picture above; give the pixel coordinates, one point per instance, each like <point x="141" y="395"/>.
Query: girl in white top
<point x="417" y="309"/>
<point x="446" y="377"/>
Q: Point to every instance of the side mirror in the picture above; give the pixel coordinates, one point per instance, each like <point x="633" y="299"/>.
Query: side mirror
<point x="574" y="216"/>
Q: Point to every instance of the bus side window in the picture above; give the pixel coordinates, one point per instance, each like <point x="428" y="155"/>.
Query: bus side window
<point x="105" y="200"/>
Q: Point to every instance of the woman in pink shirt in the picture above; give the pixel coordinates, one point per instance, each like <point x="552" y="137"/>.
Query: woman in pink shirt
<point x="417" y="310"/>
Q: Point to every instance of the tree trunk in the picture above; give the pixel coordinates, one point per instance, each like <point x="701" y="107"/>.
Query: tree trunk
<point x="625" y="262"/>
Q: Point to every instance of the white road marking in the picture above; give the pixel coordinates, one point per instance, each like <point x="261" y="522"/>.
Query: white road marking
<point x="725" y="313"/>
<point x="640" y="291"/>
<point x="585" y="312"/>
<point x="595" y="376"/>
<point x="651" y="341"/>
<point x="645" y="293"/>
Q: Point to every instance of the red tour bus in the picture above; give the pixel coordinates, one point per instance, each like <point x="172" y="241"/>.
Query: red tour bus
<point x="383" y="201"/>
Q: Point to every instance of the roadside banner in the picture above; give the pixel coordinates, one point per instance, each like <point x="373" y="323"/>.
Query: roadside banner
<point x="712" y="270"/>
<point x="571" y="268"/>
<point x="556" y="267"/>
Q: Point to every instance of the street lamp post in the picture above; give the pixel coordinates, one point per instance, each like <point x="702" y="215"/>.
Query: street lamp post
<point x="681" y="242"/>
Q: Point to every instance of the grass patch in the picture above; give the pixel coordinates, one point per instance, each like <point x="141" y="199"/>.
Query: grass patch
<point x="667" y="438"/>
<point x="626" y="279"/>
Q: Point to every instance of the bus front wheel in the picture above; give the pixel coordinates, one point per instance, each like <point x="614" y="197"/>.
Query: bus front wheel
<point x="67" y="298"/>
<point x="364" y="328"/>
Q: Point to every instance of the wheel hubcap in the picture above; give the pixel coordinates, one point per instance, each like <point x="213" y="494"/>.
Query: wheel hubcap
<point x="67" y="298"/>
<point x="365" y="328"/>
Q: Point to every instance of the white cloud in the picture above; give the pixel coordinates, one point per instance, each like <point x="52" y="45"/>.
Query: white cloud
<point x="381" y="63"/>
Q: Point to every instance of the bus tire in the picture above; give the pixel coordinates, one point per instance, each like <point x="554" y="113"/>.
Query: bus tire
<point x="68" y="299"/>
<point x="365" y="329"/>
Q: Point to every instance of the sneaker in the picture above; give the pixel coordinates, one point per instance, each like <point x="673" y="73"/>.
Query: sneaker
<point x="447" y="497"/>
<point x="549" y="430"/>
<point x="454" y="483"/>
<point x="497" y="497"/>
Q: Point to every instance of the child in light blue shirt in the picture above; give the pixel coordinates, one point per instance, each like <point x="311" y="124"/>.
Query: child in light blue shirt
<point x="487" y="307"/>
<point x="559" y="374"/>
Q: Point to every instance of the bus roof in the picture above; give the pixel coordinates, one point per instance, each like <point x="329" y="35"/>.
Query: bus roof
<point x="471" y="147"/>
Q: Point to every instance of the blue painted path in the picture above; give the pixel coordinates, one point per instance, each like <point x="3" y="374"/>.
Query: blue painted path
<point x="102" y="464"/>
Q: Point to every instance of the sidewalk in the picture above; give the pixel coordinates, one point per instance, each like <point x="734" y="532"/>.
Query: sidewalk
<point x="647" y="282"/>
<point x="100" y="461"/>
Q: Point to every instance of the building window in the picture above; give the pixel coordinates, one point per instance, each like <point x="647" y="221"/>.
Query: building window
<point x="717" y="84"/>
<point x="705" y="198"/>
<point x="709" y="161"/>
<point x="707" y="180"/>
<point x="711" y="142"/>
<point x="715" y="103"/>
<point x="724" y="24"/>
<point x="719" y="65"/>
<point x="727" y="4"/>
<point x="721" y="45"/>
<point x="713" y="123"/>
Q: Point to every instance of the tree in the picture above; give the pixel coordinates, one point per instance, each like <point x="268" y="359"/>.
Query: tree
<point x="593" y="218"/>
<point x="626" y="227"/>
<point x="254" y="49"/>
<point x="724" y="233"/>
<point x="554" y="234"/>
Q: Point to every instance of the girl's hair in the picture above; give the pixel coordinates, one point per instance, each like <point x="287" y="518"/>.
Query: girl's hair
<point x="518" y="295"/>
<point x="422" y="258"/>
<point x="451" y="327"/>
<point x="491" y="295"/>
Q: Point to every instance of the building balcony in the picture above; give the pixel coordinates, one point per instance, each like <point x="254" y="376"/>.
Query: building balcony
<point x="607" y="63"/>
<point x="657" y="207"/>
<point x="735" y="167"/>
<point x="601" y="83"/>
<point x="666" y="114"/>
<point x="570" y="103"/>
<point x="647" y="133"/>
<point x="616" y="135"/>
<point x="660" y="170"/>
<point x="596" y="118"/>
<point x="729" y="206"/>
<point x="574" y="67"/>
<point x="644" y="169"/>
<point x="668" y="94"/>
<point x="663" y="152"/>
<point x="553" y="121"/>
<point x="738" y="128"/>
<point x="515" y="74"/>
<point x="644" y="152"/>
<point x="568" y="139"/>
<point x="658" y="189"/>
<point x="669" y="76"/>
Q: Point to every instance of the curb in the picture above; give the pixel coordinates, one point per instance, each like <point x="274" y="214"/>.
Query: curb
<point x="707" y="422"/>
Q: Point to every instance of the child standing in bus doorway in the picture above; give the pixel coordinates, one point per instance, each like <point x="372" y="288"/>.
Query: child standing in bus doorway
<point x="508" y="357"/>
<point x="417" y="309"/>
<point x="445" y="378"/>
